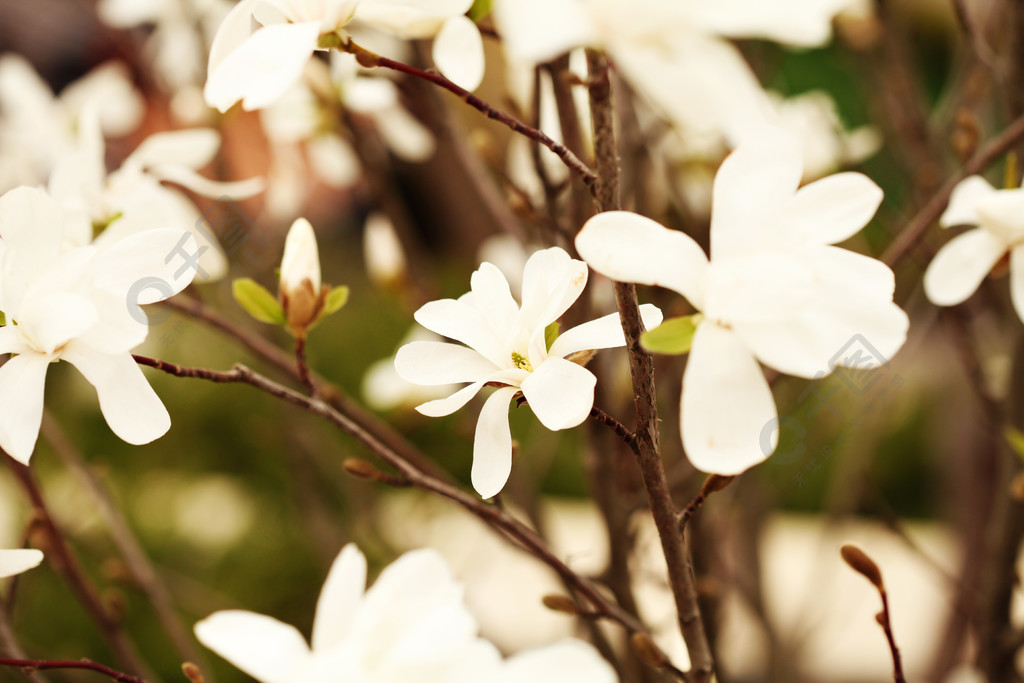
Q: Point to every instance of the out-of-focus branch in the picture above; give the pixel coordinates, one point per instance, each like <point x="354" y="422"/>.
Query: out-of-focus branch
<point x="32" y="665"/>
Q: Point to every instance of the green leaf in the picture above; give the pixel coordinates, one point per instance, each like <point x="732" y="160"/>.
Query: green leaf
<point x="551" y="334"/>
<point x="1016" y="440"/>
<point x="257" y="301"/>
<point x="336" y="298"/>
<point x="480" y="9"/>
<point x="672" y="337"/>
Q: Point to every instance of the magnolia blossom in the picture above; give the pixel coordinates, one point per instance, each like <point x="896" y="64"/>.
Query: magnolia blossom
<point x="18" y="560"/>
<point x="80" y="305"/>
<point x="774" y="291"/>
<point x="961" y="264"/>
<point x="257" y="67"/>
<point x="509" y="344"/>
<point x="411" y="625"/>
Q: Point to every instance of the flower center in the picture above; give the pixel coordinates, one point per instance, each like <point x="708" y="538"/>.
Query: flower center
<point x="520" y="361"/>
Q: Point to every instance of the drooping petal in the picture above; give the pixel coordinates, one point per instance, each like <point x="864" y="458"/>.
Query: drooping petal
<point x="149" y="266"/>
<point x="446" y="406"/>
<point x="603" y="333"/>
<point x="754" y="182"/>
<point x="492" y="444"/>
<point x="260" y="70"/>
<point x="339" y="599"/>
<point x="960" y="266"/>
<point x="562" y="661"/>
<point x="22" y="380"/>
<point x="1017" y="280"/>
<point x="263" y="647"/>
<point x="190" y="180"/>
<point x="130" y="406"/>
<point x="560" y="393"/>
<point x="632" y="248"/>
<point x="17" y="560"/>
<point x="829" y="210"/>
<point x="462" y="322"/>
<point x="727" y="407"/>
<point x="459" y="52"/>
<point x="435" y="363"/>
<point x="963" y="203"/>
<point x="193" y="148"/>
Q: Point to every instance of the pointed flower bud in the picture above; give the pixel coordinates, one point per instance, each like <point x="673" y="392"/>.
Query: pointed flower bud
<point x="299" y="288"/>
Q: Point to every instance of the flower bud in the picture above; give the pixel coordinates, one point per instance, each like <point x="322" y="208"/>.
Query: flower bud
<point x="299" y="288"/>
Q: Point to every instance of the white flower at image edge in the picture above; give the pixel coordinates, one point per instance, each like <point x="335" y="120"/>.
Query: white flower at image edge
<point x="17" y="560"/>
<point x="774" y="291"/>
<point x="80" y="305"/>
<point x="960" y="265"/>
<point x="505" y="345"/>
<point x="411" y="625"/>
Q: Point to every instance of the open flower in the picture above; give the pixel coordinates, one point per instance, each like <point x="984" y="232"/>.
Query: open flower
<point x="774" y="291"/>
<point x="961" y="264"/>
<point x="80" y="305"/>
<point x="510" y="345"/>
<point x="411" y="625"/>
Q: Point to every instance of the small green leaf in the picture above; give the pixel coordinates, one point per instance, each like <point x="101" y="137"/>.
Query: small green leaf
<point x="672" y="337"/>
<point x="257" y="301"/>
<point x="1016" y="440"/>
<point x="336" y="298"/>
<point x="3" y="319"/>
<point x="551" y="334"/>
<point x="480" y="9"/>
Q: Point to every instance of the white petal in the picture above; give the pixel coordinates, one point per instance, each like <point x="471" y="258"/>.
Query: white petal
<point x="192" y="148"/>
<point x="631" y="248"/>
<point x="216" y="189"/>
<point x="130" y="406"/>
<point x="232" y="32"/>
<point x="492" y="297"/>
<point x="492" y="444"/>
<point x="22" y="380"/>
<point x="560" y="393"/>
<point x="301" y="259"/>
<point x="535" y="31"/>
<point x="552" y="281"/>
<point x="11" y="341"/>
<point x="333" y="160"/>
<point x="435" y="363"/>
<point x="465" y="323"/>
<point x="339" y="599"/>
<point x="830" y="210"/>
<point x="32" y="226"/>
<point x="459" y="52"/>
<point x="801" y="23"/>
<point x="963" y="203"/>
<point x="268" y="650"/>
<point x="17" y="560"/>
<point x="960" y="266"/>
<point x="727" y="407"/>
<point x="262" y="68"/>
<point x="755" y="181"/>
<point x="447" y="406"/>
<point x="149" y="266"/>
<point x="603" y="333"/>
<point x="53" y="319"/>
<point x="762" y="286"/>
<point x="567" y="660"/>
<point x="1002" y="212"/>
<point x="1017" y="280"/>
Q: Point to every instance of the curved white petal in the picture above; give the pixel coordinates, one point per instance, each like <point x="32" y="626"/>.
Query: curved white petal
<point x="263" y="647"/>
<point x="17" y="560"/>
<point x="130" y="406"/>
<point x="260" y="70"/>
<point x="434" y="363"/>
<point x="462" y="322"/>
<point x="22" y="380"/>
<point x="1017" y="280"/>
<point x="567" y="660"/>
<point x="727" y="406"/>
<point x="829" y="210"/>
<point x="234" y="30"/>
<point x="459" y="52"/>
<point x="149" y="266"/>
<point x="753" y="183"/>
<point x="960" y="266"/>
<point x="32" y="228"/>
<point x="492" y="296"/>
<point x="835" y="266"/>
<point x="12" y="342"/>
<point x="492" y="444"/>
<point x="765" y="286"/>
<point x="190" y="180"/>
<point x="193" y="148"/>
<point x="51" y="320"/>
<point x="560" y="393"/>
<point x="339" y="599"/>
<point x="552" y="281"/>
<point x="800" y="23"/>
<point x="446" y="406"/>
<point x="1003" y="213"/>
<point x="632" y="248"/>
<point x="963" y="202"/>
<point x="603" y="333"/>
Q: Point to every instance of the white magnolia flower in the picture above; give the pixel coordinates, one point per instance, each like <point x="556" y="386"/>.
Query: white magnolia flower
<point x="80" y="305"/>
<point x="961" y="264"/>
<point x="135" y="197"/>
<point x="774" y="291"/>
<point x="505" y="344"/>
<point x="18" y="560"/>
<point x="411" y="625"/>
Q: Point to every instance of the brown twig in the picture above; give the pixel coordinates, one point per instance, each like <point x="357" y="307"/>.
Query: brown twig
<point x="859" y="561"/>
<point x="621" y="431"/>
<point x="83" y="664"/>
<point x="302" y="366"/>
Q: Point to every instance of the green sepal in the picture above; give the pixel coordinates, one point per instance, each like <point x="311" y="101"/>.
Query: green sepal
<point x="672" y="337"/>
<point x="480" y="9"/>
<point x="1015" y="438"/>
<point x="551" y="334"/>
<point x="3" y="319"/>
<point x="257" y="301"/>
<point x="336" y="298"/>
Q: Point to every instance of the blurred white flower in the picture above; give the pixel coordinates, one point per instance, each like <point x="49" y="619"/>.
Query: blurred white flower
<point x="382" y="252"/>
<point x="511" y="345"/>
<point x="411" y="625"/>
<point x="962" y="263"/>
<point x="80" y="305"/>
<point x="774" y="291"/>
<point x="18" y="560"/>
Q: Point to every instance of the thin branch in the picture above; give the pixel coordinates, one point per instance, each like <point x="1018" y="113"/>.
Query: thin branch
<point x="370" y="59"/>
<point x="302" y="366"/>
<point x="621" y="431"/>
<point x="84" y="664"/>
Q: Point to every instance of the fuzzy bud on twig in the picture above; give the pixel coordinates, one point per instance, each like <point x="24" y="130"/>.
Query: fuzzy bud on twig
<point x="862" y="564"/>
<point x="561" y="603"/>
